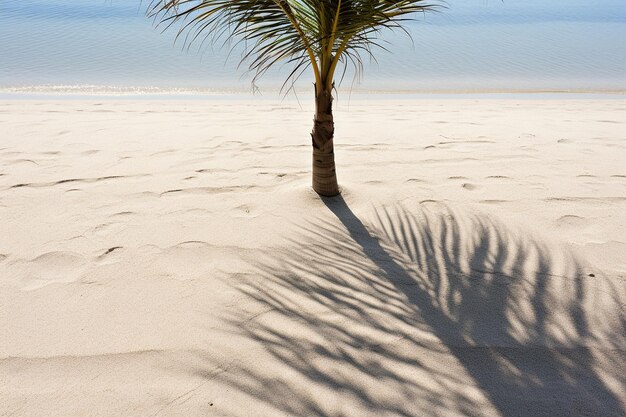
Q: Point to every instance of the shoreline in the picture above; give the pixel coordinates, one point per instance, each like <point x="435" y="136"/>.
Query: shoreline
<point x="157" y="93"/>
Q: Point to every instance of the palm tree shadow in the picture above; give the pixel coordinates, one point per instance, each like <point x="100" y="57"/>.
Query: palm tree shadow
<point x="428" y="311"/>
<point x="531" y="344"/>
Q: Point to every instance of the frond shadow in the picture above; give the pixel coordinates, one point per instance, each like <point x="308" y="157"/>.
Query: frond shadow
<point x="428" y="311"/>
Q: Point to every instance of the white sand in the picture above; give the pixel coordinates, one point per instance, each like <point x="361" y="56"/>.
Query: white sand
<point x="167" y="258"/>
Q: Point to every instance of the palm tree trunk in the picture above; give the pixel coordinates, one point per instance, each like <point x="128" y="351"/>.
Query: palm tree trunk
<point x="324" y="175"/>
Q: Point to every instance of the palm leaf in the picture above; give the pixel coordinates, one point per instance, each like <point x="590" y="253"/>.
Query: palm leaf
<point x="319" y="33"/>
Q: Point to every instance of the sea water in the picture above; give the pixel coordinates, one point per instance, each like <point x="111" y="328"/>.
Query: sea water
<point x="470" y="45"/>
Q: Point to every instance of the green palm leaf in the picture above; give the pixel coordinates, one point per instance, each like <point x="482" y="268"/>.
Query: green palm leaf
<point x="319" y="33"/>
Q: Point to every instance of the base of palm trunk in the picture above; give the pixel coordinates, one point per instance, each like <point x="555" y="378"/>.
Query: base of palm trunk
<point x="324" y="175"/>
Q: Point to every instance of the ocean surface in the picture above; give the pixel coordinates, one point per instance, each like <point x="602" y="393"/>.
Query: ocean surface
<point x="472" y="45"/>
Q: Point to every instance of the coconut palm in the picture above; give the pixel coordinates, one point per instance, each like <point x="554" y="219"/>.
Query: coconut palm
<point x="320" y="34"/>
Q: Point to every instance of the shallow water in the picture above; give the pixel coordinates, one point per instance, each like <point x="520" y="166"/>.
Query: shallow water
<point x="472" y="45"/>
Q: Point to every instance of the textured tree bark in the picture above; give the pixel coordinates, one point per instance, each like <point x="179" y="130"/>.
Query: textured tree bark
<point x="324" y="175"/>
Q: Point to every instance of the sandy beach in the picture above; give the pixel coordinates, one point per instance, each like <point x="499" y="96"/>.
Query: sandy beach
<point x="169" y="258"/>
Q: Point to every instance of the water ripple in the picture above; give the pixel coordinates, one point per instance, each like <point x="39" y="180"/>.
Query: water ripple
<point x="473" y="45"/>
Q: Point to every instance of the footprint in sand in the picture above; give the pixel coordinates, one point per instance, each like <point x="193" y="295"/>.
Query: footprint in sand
<point x="122" y="214"/>
<point x="68" y="181"/>
<point x="46" y="269"/>
<point x="570" y="220"/>
<point x="111" y="252"/>
<point x="104" y="228"/>
<point x="427" y="202"/>
<point x="22" y="161"/>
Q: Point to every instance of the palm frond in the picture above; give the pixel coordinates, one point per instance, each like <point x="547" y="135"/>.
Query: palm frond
<point x="319" y="33"/>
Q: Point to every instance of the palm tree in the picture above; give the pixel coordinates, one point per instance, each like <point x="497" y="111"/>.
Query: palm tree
<point x="320" y="34"/>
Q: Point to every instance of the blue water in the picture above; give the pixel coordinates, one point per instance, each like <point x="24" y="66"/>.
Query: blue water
<point x="471" y="45"/>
